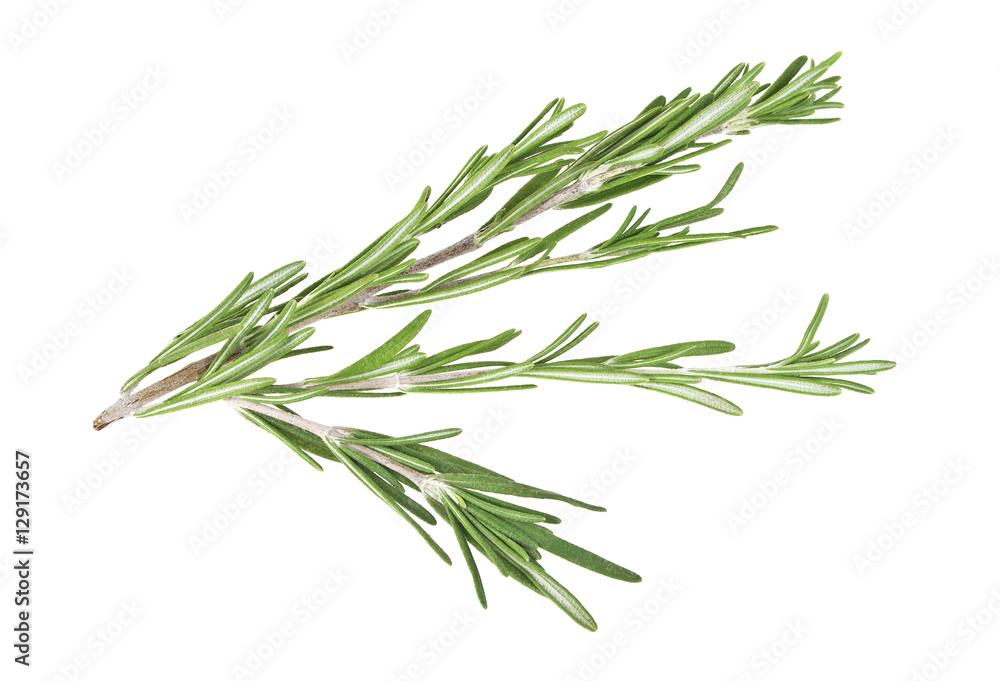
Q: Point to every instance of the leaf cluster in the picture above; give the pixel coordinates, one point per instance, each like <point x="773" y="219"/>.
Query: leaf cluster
<point x="257" y="324"/>
<point x="465" y="495"/>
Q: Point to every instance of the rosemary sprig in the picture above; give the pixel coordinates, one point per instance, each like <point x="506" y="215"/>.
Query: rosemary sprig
<point x="257" y="325"/>
<point x="461" y="493"/>
<point x="397" y="368"/>
<point x="561" y="174"/>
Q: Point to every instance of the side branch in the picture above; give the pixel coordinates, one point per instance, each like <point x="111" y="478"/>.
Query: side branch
<point x="130" y="402"/>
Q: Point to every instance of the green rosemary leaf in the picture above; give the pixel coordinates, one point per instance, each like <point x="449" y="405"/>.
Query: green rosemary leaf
<point x="832" y="351"/>
<point x="259" y="421"/>
<point x="465" y="381"/>
<point x="365" y="477"/>
<point x="429" y="436"/>
<point x="500" y="540"/>
<point x="254" y="359"/>
<point x="285" y="397"/>
<point x="436" y="361"/>
<point x="204" y="397"/>
<point x="793" y="88"/>
<point x="585" y="374"/>
<point x="549" y="242"/>
<point x="391" y="367"/>
<point x="526" y="190"/>
<point x="846" y="385"/>
<point x="725" y="107"/>
<point x="205" y="322"/>
<point x="559" y="595"/>
<point x="500" y="254"/>
<point x="541" y="161"/>
<point x="308" y="351"/>
<point x="553" y="127"/>
<point x="848" y="351"/>
<point x="249" y="321"/>
<point x="504" y="512"/>
<point x="374" y="467"/>
<point x="509" y="218"/>
<point x="404" y="501"/>
<point x="443" y="462"/>
<point x="554" y="345"/>
<point x="470" y="562"/>
<point x="503" y="503"/>
<point x="506" y="532"/>
<point x="810" y="334"/>
<point x="269" y="282"/>
<point x="866" y="367"/>
<point x="728" y="79"/>
<point x="395" y="452"/>
<point x="504" y="528"/>
<point x="788" y="384"/>
<point x="452" y="289"/>
<point x="383" y="353"/>
<point x="579" y="556"/>
<point x="432" y="388"/>
<point x="783" y="80"/>
<point x="537" y="119"/>
<point x="495" y="485"/>
<point x="276" y="325"/>
<point x="473" y="185"/>
<point x="360" y="393"/>
<point x="696" y="395"/>
<point x="462" y="174"/>
<point x="570" y="345"/>
<point x="604" y="195"/>
<point x="652" y="356"/>
<point x="456" y="513"/>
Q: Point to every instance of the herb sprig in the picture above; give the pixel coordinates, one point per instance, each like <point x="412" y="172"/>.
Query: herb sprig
<point x="257" y="325"/>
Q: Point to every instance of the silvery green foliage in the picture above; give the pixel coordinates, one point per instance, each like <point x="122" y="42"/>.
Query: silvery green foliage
<point x="252" y="328"/>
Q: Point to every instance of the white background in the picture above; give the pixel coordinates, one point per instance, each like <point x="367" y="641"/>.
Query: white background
<point x="115" y="512"/>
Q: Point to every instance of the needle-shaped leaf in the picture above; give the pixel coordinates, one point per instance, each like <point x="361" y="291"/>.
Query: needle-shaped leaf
<point x="559" y="595"/>
<point x="205" y="322"/>
<point x="254" y="359"/>
<point x="269" y="283"/>
<point x="451" y="289"/>
<point x="579" y="556"/>
<point x="522" y="516"/>
<point x="810" y="334"/>
<point x="260" y="422"/>
<point x="495" y="485"/>
<point x="562" y="338"/>
<point x="385" y="352"/>
<point x="383" y="249"/>
<point x="585" y="374"/>
<point x="429" y="436"/>
<point x="196" y="399"/>
<point x="249" y="321"/>
<point x="365" y="477"/>
<point x="551" y="128"/>
<point x="477" y="182"/>
<point x="465" y="381"/>
<point x="788" y="384"/>
<point x="696" y="395"/>
<point x="783" y="80"/>
<point x="463" y="544"/>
